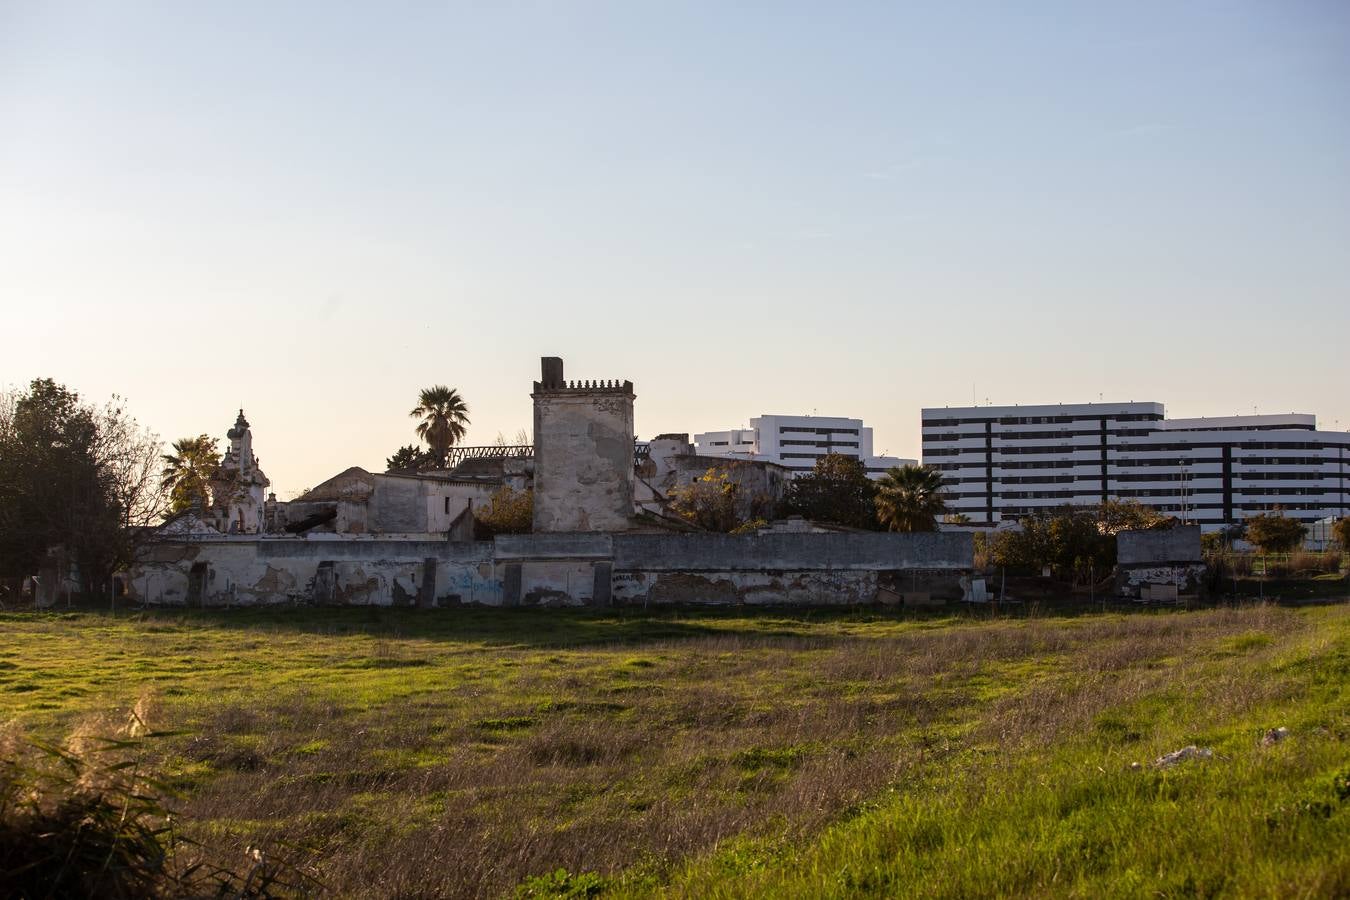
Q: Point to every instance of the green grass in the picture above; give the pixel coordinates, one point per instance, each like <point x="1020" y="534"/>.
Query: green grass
<point x="1323" y="586"/>
<point x="1073" y="814"/>
<point x="572" y="753"/>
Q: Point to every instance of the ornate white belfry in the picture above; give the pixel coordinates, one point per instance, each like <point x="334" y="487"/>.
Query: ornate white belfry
<point x="239" y="486"/>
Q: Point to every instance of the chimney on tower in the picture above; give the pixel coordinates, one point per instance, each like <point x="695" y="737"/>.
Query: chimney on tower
<point x="551" y="372"/>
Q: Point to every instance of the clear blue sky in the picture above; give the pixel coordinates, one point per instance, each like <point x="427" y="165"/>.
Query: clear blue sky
<point x="315" y="209"/>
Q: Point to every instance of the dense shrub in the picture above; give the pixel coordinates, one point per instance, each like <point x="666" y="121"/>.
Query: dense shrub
<point x="836" y="490"/>
<point x="1326" y="562"/>
<point x="1074" y="541"/>
<point x="508" y="512"/>
<point x="718" y="501"/>
<point x="88" y="820"/>
<point x="62" y="836"/>
<point x="1067" y="540"/>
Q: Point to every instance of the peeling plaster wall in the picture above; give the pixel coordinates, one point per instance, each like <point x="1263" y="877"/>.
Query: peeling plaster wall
<point x="231" y="572"/>
<point x="384" y="504"/>
<point x="1164" y="557"/>
<point x="1172" y="545"/>
<point x="793" y="587"/>
<point x="558" y="570"/>
<point x="554" y="546"/>
<point x="583" y="466"/>
<point x="1189" y="579"/>
<point x="787" y="569"/>
<point x="398" y="504"/>
<point x="557" y="583"/>
<point x="401" y="504"/>
<point x="461" y="496"/>
<point x="664" y="454"/>
<point x="554" y="569"/>
<point x="874" y="551"/>
<point x="796" y="588"/>
<point x="759" y="485"/>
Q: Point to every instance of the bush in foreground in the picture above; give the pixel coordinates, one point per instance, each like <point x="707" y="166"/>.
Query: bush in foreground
<point x="87" y="820"/>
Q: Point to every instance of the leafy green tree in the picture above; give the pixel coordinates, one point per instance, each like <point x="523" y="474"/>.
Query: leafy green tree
<point x="77" y="476"/>
<point x="49" y="479"/>
<point x="1273" y="533"/>
<point x="1341" y="530"/>
<point x="836" y="490"/>
<point x="409" y="458"/>
<point x="444" y="419"/>
<point x="1072" y="540"/>
<point x="910" y="498"/>
<point x="1069" y="540"/>
<point x="188" y="471"/>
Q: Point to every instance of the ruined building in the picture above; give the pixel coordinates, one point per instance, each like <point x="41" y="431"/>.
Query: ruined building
<point x="238" y="485"/>
<point x="423" y="506"/>
<point x="600" y="534"/>
<point x="672" y="464"/>
<point x="583" y="453"/>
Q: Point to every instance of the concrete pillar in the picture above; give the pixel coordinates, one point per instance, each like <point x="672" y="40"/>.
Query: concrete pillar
<point x="603" y="573"/>
<point x="511" y="585"/>
<point x="426" y="592"/>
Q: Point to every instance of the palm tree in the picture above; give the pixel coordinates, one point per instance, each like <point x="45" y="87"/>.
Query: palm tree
<point x="910" y="498"/>
<point x="188" y="470"/>
<point x="444" y="417"/>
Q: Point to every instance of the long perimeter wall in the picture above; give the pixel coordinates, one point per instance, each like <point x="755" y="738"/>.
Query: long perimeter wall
<point x="558" y="570"/>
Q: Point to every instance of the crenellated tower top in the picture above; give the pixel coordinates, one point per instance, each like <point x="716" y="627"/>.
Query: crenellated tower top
<point x="552" y="382"/>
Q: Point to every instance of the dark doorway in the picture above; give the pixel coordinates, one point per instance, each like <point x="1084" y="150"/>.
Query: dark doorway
<point x="197" y="578"/>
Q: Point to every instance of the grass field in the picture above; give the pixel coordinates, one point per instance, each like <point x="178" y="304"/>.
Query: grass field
<point x="564" y="753"/>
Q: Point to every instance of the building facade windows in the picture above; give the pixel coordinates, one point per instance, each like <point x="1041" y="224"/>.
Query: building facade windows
<point x="786" y="440"/>
<point x="1212" y="471"/>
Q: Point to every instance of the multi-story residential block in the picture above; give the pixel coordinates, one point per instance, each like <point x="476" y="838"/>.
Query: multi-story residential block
<point x="797" y="442"/>
<point x="1002" y="462"/>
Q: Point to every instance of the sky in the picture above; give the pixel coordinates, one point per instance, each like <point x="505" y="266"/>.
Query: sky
<point x="313" y="210"/>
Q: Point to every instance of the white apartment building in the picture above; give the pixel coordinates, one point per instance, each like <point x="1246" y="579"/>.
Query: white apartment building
<point x="1002" y="462"/>
<point x="797" y="442"/>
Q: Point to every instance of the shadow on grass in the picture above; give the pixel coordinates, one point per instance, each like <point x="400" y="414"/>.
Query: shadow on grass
<point x="1324" y="588"/>
<point x="580" y="628"/>
<point x="529" y="626"/>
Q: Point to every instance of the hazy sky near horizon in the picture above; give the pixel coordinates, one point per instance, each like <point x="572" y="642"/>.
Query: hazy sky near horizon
<point x="313" y="210"/>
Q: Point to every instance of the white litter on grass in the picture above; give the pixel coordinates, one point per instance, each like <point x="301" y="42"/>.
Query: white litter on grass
<point x="1185" y="753"/>
<point x="1274" y="736"/>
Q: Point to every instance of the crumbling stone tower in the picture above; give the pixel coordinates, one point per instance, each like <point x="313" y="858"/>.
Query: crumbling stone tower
<point x="583" y="452"/>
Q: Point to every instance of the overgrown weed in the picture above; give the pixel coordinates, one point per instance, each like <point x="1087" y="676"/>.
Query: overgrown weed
<point x="89" y="818"/>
